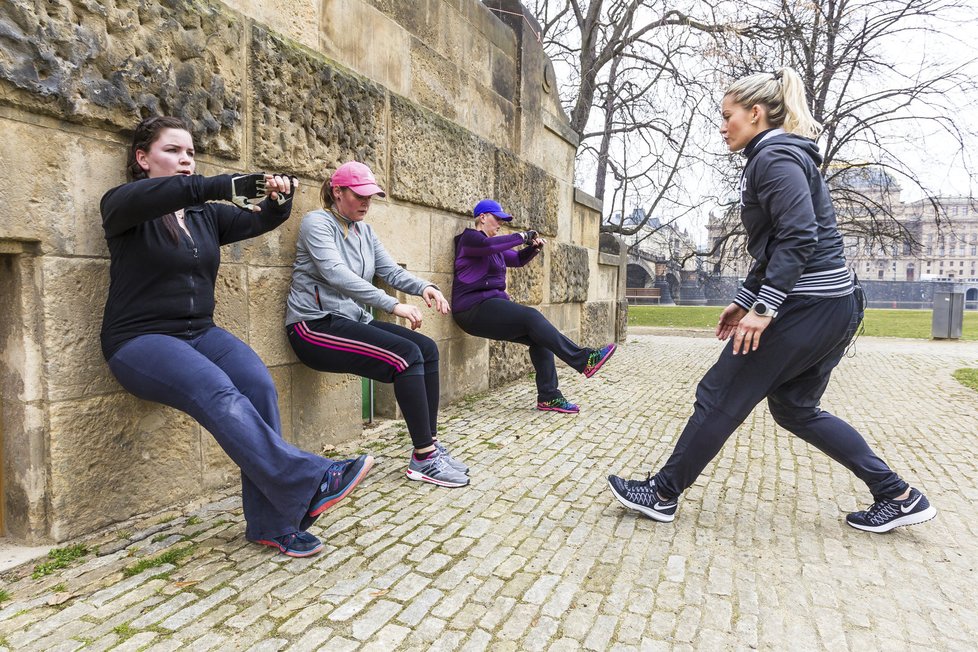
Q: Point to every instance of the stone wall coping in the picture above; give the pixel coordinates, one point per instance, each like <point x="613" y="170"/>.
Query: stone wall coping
<point x="583" y="198"/>
<point x="560" y="128"/>
<point x="604" y="258"/>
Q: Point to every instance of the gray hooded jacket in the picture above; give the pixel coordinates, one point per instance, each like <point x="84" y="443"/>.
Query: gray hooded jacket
<point x="335" y="262"/>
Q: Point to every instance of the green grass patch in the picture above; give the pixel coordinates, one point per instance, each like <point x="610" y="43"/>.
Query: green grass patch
<point x="166" y="519"/>
<point x="60" y="588"/>
<point x="967" y="377"/>
<point x="60" y="558"/>
<point x="4" y="595"/>
<point x="194" y="520"/>
<point x="124" y="631"/>
<point x="171" y="556"/>
<point x="915" y="324"/>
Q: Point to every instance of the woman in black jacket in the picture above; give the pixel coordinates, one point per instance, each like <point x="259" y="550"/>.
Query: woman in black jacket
<point x="790" y="322"/>
<point x="159" y="338"/>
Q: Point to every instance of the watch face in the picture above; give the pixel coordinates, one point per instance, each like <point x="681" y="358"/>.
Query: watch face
<point x="760" y="308"/>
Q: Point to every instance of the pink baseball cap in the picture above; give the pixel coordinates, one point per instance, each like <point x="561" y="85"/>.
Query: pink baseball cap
<point x="357" y="177"/>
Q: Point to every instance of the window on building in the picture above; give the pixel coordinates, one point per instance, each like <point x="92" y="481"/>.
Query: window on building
<point x="879" y="274"/>
<point x="940" y="251"/>
<point x="974" y="250"/>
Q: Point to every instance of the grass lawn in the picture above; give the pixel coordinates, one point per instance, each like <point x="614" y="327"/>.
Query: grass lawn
<point x="878" y="323"/>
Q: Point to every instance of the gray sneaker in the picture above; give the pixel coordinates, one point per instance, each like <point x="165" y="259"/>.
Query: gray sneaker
<point x="454" y="463"/>
<point x="436" y="470"/>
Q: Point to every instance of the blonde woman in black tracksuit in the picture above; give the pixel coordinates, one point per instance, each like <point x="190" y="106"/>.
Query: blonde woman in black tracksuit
<point x="791" y="321"/>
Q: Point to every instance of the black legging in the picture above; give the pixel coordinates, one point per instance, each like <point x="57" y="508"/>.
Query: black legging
<point x="499" y="319"/>
<point x="791" y="368"/>
<point x="379" y="351"/>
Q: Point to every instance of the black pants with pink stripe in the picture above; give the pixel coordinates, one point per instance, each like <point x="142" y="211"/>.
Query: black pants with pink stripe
<point x="380" y="351"/>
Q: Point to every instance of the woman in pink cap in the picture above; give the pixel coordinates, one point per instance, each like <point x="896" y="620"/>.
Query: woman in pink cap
<point x="337" y="257"/>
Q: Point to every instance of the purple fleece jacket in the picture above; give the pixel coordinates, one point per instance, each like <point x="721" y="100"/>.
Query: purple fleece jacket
<point x="480" y="266"/>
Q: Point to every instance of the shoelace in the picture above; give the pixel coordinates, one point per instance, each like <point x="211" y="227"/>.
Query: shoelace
<point x="334" y="472"/>
<point x="287" y="540"/>
<point x="882" y="511"/>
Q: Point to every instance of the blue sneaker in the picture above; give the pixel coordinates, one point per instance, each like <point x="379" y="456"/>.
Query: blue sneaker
<point x="597" y="358"/>
<point x="339" y="480"/>
<point x="641" y="496"/>
<point x="296" y="544"/>
<point x="886" y="514"/>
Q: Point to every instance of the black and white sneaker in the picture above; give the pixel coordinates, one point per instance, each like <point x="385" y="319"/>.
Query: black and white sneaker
<point x="886" y="514"/>
<point x="641" y="496"/>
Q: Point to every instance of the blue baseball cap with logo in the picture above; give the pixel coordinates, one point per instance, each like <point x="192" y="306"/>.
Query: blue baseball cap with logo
<point x="492" y="207"/>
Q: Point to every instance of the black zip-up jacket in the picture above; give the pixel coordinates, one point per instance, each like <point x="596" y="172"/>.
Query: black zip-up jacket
<point x="790" y="222"/>
<point x="156" y="285"/>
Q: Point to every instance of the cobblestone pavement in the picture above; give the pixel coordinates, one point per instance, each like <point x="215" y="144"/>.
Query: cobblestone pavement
<point x="537" y="555"/>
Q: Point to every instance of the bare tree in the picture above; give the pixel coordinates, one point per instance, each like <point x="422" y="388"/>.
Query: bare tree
<point x="632" y="88"/>
<point x="875" y="103"/>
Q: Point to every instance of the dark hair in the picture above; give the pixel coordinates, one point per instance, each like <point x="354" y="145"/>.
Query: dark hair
<point x="145" y="134"/>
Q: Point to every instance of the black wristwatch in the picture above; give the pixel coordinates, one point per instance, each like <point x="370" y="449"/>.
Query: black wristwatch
<point x="762" y="309"/>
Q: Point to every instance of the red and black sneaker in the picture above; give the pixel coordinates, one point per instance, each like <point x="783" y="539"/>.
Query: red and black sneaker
<point x="296" y="544"/>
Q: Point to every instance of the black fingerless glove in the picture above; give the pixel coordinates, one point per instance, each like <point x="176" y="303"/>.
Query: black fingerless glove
<point x="529" y="236"/>
<point x="246" y="188"/>
<point x="286" y="197"/>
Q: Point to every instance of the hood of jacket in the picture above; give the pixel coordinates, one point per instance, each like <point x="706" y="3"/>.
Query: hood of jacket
<point x="807" y="145"/>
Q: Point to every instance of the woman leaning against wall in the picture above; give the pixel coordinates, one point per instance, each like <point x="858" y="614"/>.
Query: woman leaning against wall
<point x="164" y="231"/>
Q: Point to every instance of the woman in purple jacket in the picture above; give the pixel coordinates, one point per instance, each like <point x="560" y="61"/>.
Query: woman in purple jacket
<point x="482" y="308"/>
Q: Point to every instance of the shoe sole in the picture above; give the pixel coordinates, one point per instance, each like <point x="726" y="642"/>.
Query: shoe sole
<point x="651" y="513"/>
<point x="556" y="409"/>
<point x="330" y="501"/>
<point x="614" y="347"/>
<point x="286" y="551"/>
<point x="910" y="519"/>
<point x="418" y="475"/>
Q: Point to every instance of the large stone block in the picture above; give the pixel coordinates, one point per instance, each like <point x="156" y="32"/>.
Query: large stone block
<point x="53" y="181"/>
<point x="490" y="115"/>
<point x="435" y="81"/>
<point x="527" y="192"/>
<point x="291" y="18"/>
<point x="387" y="64"/>
<point x="74" y="366"/>
<point x="325" y="408"/>
<point x="419" y="17"/>
<point x="621" y="320"/>
<point x="311" y="115"/>
<point x="114" y="456"/>
<point x="405" y="232"/>
<point x="507" y="362"/>
<point x="435" y="162"/>
<point x="525" y="284"/>
<point x="444" y="228"/>
<point x="112" y="64"/>
<point x="465" y="364"/>
<point x="598" y="323"/>
<point x="569" y="270"/>
<point x="231" y="300"/>
<point x="268" y="289"/>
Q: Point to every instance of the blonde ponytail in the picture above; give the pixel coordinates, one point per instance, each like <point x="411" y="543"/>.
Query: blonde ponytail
<point x="783" y="95"/>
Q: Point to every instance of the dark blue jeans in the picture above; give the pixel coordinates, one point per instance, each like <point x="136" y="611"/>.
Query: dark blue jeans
<point x="499" y="319"/>
<point x="219" y="381"/>
<point x="791" y="368"/>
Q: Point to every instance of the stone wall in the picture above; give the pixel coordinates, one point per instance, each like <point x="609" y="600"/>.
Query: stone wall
<point x="446" y="102"/>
